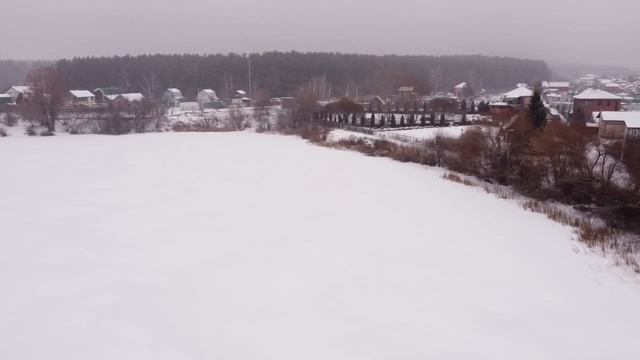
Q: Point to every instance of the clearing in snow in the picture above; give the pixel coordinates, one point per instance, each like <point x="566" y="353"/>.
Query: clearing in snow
<point x="247" y="246"/>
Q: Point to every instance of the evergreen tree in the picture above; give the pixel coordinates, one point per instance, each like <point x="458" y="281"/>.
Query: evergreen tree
<point x="393" y="120"/>
<point x="433" y="119"/>
<point x="472" y="107"/>
<point x="443" y="119"/>
<point x="537" y="111"/>
<point x="464" y="119"/>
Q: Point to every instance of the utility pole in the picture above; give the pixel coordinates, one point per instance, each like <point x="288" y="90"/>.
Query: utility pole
<point x="249" y="62"/>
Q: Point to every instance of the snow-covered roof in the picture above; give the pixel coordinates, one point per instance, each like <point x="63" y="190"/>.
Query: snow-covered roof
<point x="23" y="89"/>
<point x="596" y="94"/>
<point x="241" y="92"/>
<point x="208" y="92"/>
<point x="406" y="89"/>
<point x="630" y="118"/>
<point x="461" y="85"/>
<point x="5" y="96"/>
<point x="176" y="93"/>
<point x="518" y="92"/>
<point x="132" y="96"/>
<point x="81" y="94"/>
<point x="108" y="90"/>
<point x="556" y="84"/>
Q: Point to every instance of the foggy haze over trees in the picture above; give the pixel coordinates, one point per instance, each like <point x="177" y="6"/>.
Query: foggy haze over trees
<point x="282" y="73"/>
<point x="13" y="72"/>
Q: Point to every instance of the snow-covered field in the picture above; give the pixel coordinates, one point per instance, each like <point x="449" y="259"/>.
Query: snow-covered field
<point x="248" y="246"/>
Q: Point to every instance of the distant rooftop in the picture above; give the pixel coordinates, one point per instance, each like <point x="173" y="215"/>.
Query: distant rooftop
<point x="81" y="94"/>
<point x="596" y="94"/>
<point x="630" y="118"/>
<point x="518" y="92"/>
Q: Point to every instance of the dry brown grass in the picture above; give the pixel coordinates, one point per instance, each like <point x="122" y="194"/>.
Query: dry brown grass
<point x="458" y="179"/>
<point x="592" y="231"/>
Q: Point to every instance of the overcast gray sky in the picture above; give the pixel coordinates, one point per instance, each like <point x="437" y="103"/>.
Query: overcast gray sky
<point x="585" y="31"/>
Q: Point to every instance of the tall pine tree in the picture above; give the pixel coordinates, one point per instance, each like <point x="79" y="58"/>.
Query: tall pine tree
<point x="537" y="111"/>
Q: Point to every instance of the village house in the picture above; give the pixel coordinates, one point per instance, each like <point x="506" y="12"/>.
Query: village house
<point x="19" y="93"/>
<point x="371" y="103"/>
<point x="562" y="87"/>
<point x="619" y="125"/>
<point x="407" y="94"/>
<point x="190" y="107"/>
<point x="518" y="97"/>
<point x="102" y="93"/>
<point x="460" y="90"/>
<point x="511" y="102"/>
<point x="501" y="110"/>
<point x="130" y="97"/>
<point x="595" y="100"/>
<point x="588" y="80"/>
<point x="5" y="99"/>
<point x="207" y="98"/>
<point x="82" y="97"/>
<point x="172" y="97"/>
<point x="240" y="98"/>
<point x="286" y="102"/>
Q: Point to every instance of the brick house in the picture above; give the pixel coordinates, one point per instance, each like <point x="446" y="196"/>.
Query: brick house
<point x="591" y="101"/>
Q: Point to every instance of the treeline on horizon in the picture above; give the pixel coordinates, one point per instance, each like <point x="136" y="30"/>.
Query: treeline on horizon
<point x="282" y="73"/>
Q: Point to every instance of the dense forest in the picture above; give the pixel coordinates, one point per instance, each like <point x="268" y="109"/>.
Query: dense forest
<point x="281" y="73"/>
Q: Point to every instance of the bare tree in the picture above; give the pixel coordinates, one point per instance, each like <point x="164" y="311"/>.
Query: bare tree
<point x="48" y="94"/>
<point x="237" y="118"/>
<point x="262" y="101"/>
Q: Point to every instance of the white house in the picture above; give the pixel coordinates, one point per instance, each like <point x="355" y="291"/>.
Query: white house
<point x="207" y="98"/>
<point x="19" y="93"/>
<point x="190" y="106"/>
<point x="172" y="97"/>
<point x="82" y="97"/>
<point x="130" y="97"/>
<point x="459" y="90"/>
<point x="519" y="96"/>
